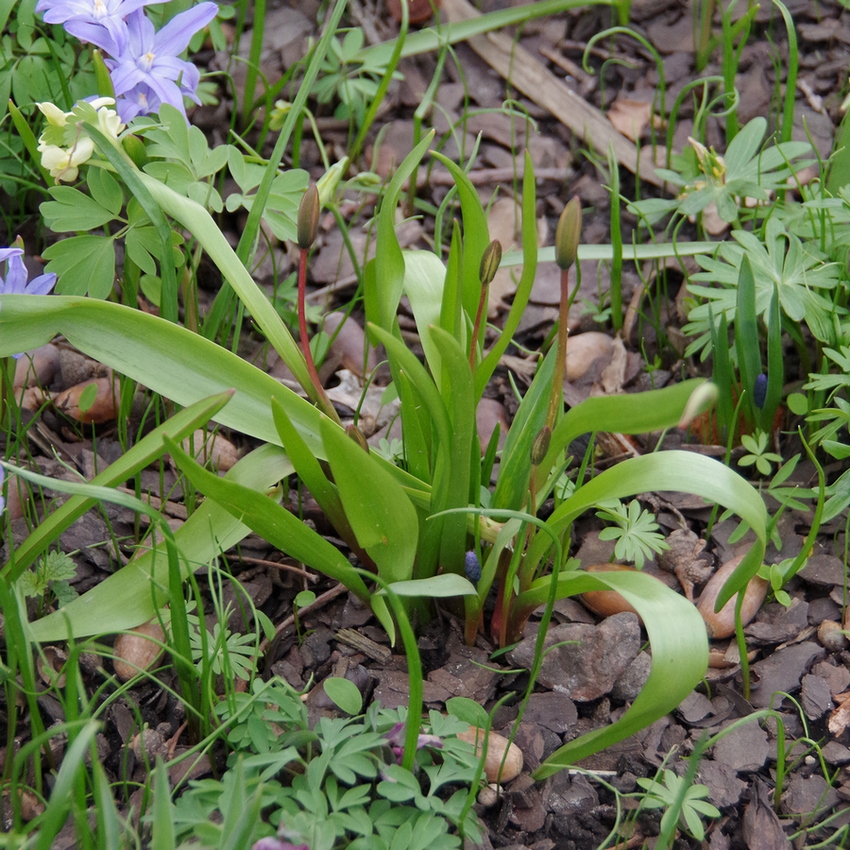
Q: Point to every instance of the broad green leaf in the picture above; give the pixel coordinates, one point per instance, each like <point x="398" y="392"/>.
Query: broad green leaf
<point x="475" y="235"/>
<point x="747" y="341"/>
<point x="631" y="413"/>
<point x="385" y="281"/>
<point x="681" y="471"/>
<point x="105" y="190"/>
<point x="344" y="693"/>
<point x="72" y="210"/>
<point x="201" y="225"/>
<point x="383" y="519"/>
<point x="84" y="264"/>
<point x="451" y="489"/>
<point x="631" y="253"/>
<point x="438" y="587"/>
<point x="514" y="471"/>
<point x="164" y="357"/>
<point x="468" y="710"/>
<point x="424" y="274"/>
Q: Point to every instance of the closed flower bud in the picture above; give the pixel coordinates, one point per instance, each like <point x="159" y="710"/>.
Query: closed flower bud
<point x="541" y="445"/>
<point x="357" y="435"/>
<point x="760" y="390"/>
<point x="490" y="260"/>
<point x="472" y="567"/>
<point x="308" y="217"/>
<point x="135" y="149"/>
<point x="568" y="234"/>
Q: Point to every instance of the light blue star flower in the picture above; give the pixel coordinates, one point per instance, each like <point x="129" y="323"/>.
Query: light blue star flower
<point x="15" y="282"/>
<point x="100" y="22"/>
<point x="149" y="71"/>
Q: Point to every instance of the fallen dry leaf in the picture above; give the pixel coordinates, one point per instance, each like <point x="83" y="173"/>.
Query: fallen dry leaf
<point x="630" y="117"/>
<point x="840" y="717"/>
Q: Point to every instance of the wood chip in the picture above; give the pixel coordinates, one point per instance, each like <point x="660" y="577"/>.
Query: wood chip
<point x="375" y="651"/>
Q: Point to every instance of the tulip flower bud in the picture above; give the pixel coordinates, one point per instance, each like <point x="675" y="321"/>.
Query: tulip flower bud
<point x="308" y="217"/>
<point x="541" y="445"/>
<point x="357" y="435"/>
<point x="568" y="234"/>
<point x="490" y="260"/>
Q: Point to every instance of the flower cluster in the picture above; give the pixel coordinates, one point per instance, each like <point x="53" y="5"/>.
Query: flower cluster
<point x="144" y="64"/>
<point x="62" y="146"/>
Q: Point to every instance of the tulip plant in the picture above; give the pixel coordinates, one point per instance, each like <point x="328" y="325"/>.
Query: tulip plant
<point x="431" y="526"/>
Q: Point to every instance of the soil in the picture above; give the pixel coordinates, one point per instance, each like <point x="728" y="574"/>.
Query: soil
<point x="797" y="668"/>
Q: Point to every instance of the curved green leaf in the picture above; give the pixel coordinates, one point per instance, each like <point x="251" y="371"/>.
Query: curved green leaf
<point x="679" y="644"/>
<point x="683" y="471"/>
<point x="162" y="356"/>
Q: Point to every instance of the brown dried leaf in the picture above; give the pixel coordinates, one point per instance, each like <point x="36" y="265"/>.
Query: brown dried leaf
<point x="630" y="117"/>
<point x="761" y="827"/>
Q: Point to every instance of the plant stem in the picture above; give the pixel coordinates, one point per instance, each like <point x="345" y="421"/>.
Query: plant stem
<point x="476" y="328"/>
<point x="324" y="401"/>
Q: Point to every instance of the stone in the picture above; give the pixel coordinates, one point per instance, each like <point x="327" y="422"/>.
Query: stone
<point x="782" y="671"/>
<point x="553" y="711"/>
<point x="806" y="794"/>
<point x="724" y="787"/>
<point x="817" y="698"/>
<point x="590" y="659"/>
<point x="631" y="683"/>
<point x="744" y="749"/>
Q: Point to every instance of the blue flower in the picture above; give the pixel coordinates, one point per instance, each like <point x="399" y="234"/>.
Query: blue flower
<point x="148" y="72"/>
<point x="100" y="22"/>
<point x="16" y="276"/>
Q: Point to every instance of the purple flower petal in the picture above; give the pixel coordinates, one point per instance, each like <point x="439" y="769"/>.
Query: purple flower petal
<point x="109" y="39"/>
<point x="5" y="253"/>
<point x="175" y="36"/>
<point x="16" y="275"/>
<point x="149" y="71"/>
<point x="41" y="285"/>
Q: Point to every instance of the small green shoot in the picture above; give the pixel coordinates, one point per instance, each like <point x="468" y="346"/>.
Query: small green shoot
<point x="635" y="531"/>
<point x="776" y="575"/>
<point x="50" y="580"/>
<point x="302" y="600"/>
<point x="688" y="801"/>
<point x="757" y="453"/>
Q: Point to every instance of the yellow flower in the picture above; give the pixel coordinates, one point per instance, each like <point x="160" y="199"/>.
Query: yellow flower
<point x="63" y="163"/>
